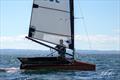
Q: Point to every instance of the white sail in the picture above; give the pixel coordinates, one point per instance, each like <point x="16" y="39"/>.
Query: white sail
<point x="50" y="21"/>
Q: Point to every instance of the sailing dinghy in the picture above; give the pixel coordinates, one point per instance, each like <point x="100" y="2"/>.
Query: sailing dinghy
<point x="52" y="21"/>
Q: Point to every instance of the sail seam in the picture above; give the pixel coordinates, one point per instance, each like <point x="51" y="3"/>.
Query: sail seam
<point x="52" y="33"/>
<point x="45" y="41"/>
<point x="54" y="9"/>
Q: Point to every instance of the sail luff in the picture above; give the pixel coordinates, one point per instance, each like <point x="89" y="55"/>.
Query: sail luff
<point x="72" y="26"/>
<point x="72" y="23"/>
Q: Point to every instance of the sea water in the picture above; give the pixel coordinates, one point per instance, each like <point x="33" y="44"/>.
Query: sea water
<point x="107" y="66"/>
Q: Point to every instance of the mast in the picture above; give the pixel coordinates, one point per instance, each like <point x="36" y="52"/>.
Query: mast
<point x="72" y="25"/>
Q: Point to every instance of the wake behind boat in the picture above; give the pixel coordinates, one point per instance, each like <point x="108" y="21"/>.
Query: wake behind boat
<point x="52" y="21"/>
<point x="9" y="70"/>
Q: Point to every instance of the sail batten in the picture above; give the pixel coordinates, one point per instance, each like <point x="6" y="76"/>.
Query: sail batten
<point x="52" y="33"/>
<point x="37" y="6"/>
<point x="51" y="21"/>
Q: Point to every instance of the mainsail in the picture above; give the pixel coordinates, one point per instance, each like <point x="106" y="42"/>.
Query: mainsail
<point x="51" y="22"/>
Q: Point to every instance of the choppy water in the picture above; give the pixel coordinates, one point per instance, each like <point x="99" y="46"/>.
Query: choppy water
<point x="108" y="67"/>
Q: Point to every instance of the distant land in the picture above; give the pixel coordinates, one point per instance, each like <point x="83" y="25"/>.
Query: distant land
<point x="13" y="51"/>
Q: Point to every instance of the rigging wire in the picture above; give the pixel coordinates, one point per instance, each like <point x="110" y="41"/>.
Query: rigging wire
<point x="52" y="52"/>
<point x="85" y="26"/>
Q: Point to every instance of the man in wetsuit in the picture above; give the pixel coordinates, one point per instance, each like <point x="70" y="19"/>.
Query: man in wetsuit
<point x="62" y="49"/>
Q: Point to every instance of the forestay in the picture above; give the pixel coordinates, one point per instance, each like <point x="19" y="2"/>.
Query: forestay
<point x="50" y="21"/>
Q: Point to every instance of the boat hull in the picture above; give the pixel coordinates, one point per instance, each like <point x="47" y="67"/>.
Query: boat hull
<point x="55" y="65"/>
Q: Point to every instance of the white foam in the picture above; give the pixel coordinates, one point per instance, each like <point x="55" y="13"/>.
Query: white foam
<point x="9" y="70"/>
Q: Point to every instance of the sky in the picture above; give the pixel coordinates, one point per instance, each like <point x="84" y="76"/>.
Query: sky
<point x="97" y="24"/>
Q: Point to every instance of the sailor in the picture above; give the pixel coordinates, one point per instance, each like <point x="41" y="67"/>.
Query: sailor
<point x="62" y="49"/>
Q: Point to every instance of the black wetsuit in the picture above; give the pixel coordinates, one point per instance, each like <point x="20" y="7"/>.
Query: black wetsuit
<point x="62" y="51"/>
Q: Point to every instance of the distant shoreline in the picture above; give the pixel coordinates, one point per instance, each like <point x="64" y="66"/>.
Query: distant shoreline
<point x="77" y="51"/>
<point x="48" y="49"/>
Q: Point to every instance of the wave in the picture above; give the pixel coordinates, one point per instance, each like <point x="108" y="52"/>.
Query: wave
<point x="9" y="70"/>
